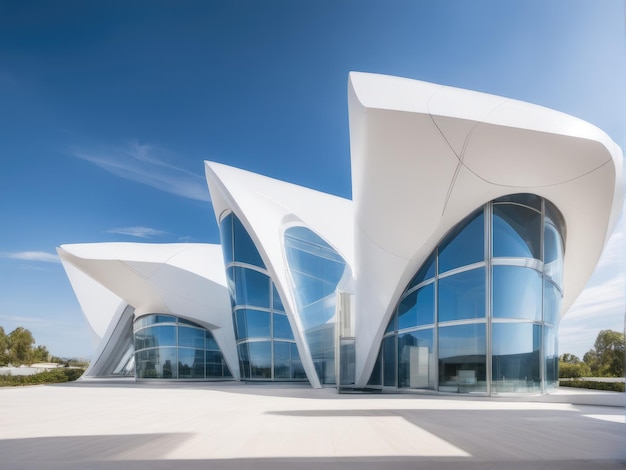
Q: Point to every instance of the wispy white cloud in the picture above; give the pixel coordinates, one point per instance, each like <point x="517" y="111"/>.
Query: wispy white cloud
<point x="41" y="256"/>
<point x="138" y="231"/>
<point x="145" y="164"/>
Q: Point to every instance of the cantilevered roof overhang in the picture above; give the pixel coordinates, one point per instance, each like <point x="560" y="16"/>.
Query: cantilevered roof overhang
<point x="424" y="156"/>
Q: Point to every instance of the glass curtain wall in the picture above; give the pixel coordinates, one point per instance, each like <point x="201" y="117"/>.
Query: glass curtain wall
<point x="481" y="315"/>
<point x="316" y="269"/>
<point x="168" y="347"/>
<point x="265" y="341"/>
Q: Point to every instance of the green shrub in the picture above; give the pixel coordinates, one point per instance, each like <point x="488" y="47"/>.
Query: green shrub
<point x="593" y="385"/>
<point x="51" y="376"/>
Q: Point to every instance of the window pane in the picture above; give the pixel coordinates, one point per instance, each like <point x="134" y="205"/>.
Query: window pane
<point x="417" y="308"/>
<point x="211" y="344"/>
<point x="551" y="357"/>
<point x="281" y="327"/>
<point x="416" y="360"/>
<point x="516" y="293"/>
<point x="258" y="323"/>
<point x="190" y="337"/>
<point x="147" y="362"/>
<point x="389" y="358"/>
<point x="375" y="378"/>
<point x="515" y="361"/>
<point x="427" y="271"/>
<point x="190" y="363"/>
<point x="297" y="371"/>
<point x="260" y="360"/>
<point x="253" y="288"/>
<point x="226" y="238"/>
<point x="244" y="360"/>
<point x="244" y="250"/>
<point x="214" y="364"/>
<point x="316" y="268"/>
<point x="462" y="365"/>
<point x="553" y="253"/>
<point x="242" y="330"/>
<point x="551" y="304"/>
<point x="516" y="232"/>
<point x="308" y="253"/>
<point x="282" y="360"/>
<point x="462" y="296"/>
<point x="277" y="303"/>
<point x="464" y="245"/>
<point x="154" y="336"/>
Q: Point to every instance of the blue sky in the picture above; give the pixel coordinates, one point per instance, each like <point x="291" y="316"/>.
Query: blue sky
<point x="108" y="109"/>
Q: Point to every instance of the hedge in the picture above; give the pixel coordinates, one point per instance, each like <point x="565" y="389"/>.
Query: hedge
<point x="51" y="376"/>
<point x="609" y="386"/>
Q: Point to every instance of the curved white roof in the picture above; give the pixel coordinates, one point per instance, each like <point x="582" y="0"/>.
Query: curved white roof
<point x="267" y="207"/>
<point x="186" y="280"/>
<point x="424" y="156"/>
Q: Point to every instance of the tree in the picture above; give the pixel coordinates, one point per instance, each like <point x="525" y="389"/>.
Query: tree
<point x="607" y="357"/>
<point x="4" y="346"/>
<point x="20" y="346"/>
<point x="572" y="367"/>
<point x="40" y="354"/>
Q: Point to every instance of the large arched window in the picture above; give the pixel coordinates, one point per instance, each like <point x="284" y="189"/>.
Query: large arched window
<point x="481" y="314"/>
<point x="316" y="269"/>
<point x="265" y="341"/>
<point x="168" y="347"/>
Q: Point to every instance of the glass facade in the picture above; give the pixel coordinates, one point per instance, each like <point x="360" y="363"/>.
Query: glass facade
<point x="167" y="347"/>
<point x="481" y="314"/>
<point x="265" y="341"/>
<point x="316" y="269"/>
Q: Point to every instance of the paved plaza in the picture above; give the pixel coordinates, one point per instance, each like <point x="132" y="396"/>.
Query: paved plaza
<point x="128" y="425"/>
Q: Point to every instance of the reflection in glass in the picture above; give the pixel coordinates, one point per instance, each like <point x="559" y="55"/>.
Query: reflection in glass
<point x="464" y="245"/>
<point x="516" y="232"/>
<point x="551" y="304"/>
<point x="190" y="337"/>
<point x="524" y="306"/>
<point x="191" y="363"/>
<point x="282" y="360"/>
<point x="260" y="359"/>
<point x="244" y="360"/>
<point x="252" y="288"/>
<point x="316" y="268"/>
<point x="515" y="357"/>
<point x="244" y="250"/>
<point x="226" y="238"/>
<point x="427" y="271"/>
<point x="416" y="359"/>
<point x="174" y="351"/>
<point x="554" y="243"/>
<point x="258" y="323"/>
<point x="551" y="355"/>
<point x="462" y="360"/>
<point x="241" y="330"/>
<point x="417" y="308"/>
<point x="255" y="301"/>
<point x="281" y="327"/>
<point x="389" y="361"/>
<point x="462" y="296"/>
<point x="516" y="293"/>
<point x="277" y="303"/>
<point x="155" y="336"/>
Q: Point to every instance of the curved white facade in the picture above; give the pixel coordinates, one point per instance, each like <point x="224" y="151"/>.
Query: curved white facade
<point x="424" y="157"/>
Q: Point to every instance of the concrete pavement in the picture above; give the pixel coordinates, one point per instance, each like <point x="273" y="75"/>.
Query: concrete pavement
<point x="127" y="425"/>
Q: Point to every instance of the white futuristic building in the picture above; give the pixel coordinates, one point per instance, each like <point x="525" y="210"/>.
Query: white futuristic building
<point x="476" y="221"/>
